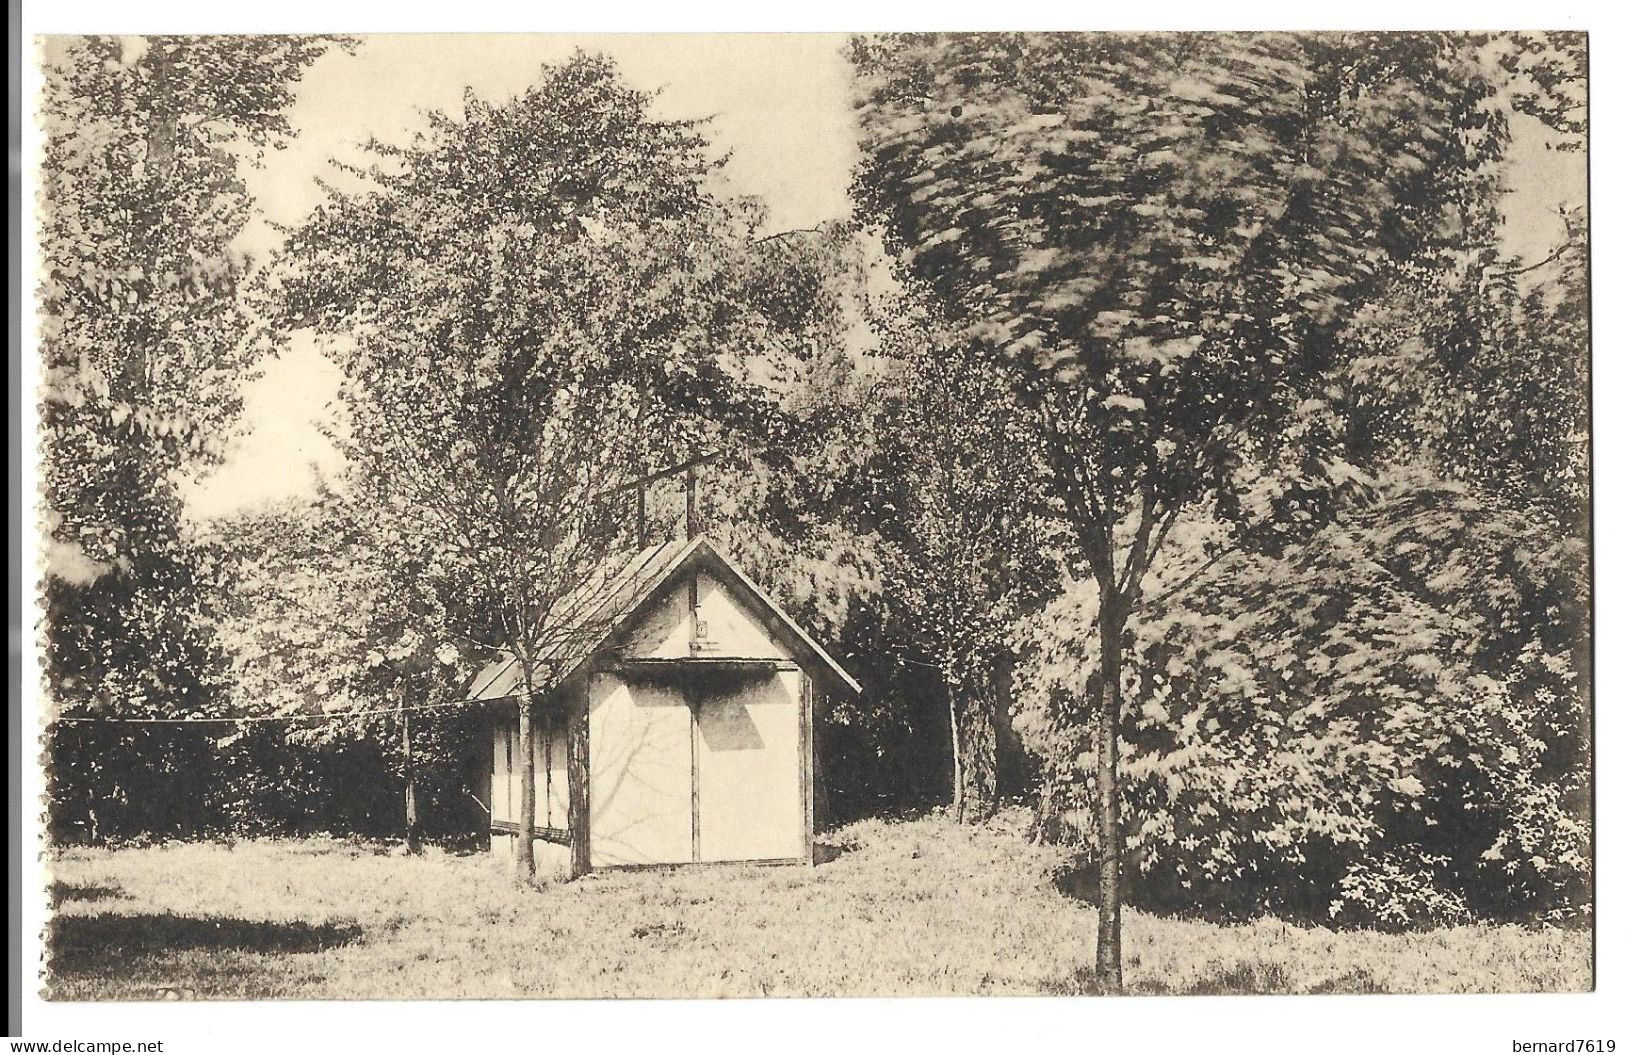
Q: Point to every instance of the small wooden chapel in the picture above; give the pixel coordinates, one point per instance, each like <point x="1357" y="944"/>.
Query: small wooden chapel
<point x="681" y="730"/>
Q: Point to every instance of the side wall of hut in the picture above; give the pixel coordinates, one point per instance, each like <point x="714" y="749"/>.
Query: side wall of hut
<point x="547" y="762"/>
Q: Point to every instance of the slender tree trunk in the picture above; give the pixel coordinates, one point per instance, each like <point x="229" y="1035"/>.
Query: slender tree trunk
<point x="978" y="754"/>
<point x="414" y="831"/>
<point x="1109" y="941"/>
<point x="958" y="800"/>
<point x="525" y="849"/>
<point x="975" y="750"/>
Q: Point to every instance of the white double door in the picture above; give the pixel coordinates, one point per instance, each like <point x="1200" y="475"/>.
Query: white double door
<point x="684" y="775"/>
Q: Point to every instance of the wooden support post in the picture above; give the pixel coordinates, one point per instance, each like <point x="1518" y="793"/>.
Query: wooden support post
<point x="807" y="775"/>
<point x="577" y="766"/>
<point x="549" y="721"/>
<point x="691" y="522"/>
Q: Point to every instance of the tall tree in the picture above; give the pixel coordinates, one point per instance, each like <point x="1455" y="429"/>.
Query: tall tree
<point x="144" y="342"/>
<point x="535" y="301"/>
<point x="906" y="500"/>
<point x="1168" y="234"/>
<point x="958" y="484"/>
<point x="310" y="631"/>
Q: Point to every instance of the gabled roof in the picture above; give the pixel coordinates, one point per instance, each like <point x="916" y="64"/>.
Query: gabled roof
<point x="597" y="610"/>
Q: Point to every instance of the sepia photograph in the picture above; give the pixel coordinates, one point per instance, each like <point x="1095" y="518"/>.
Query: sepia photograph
<point x="913" y="514"/>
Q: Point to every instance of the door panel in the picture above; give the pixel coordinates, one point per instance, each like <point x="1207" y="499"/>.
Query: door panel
<point x="642" y="787"/>
<point x="748" y="761"/>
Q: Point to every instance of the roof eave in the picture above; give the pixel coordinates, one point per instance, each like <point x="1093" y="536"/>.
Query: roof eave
<point x="695" y="552"/>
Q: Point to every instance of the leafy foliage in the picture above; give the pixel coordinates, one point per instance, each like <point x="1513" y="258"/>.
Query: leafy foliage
<point x="967" y="542"/>
<point x="1488" y="384"/>
<point x="538" y="298"/>
<point x="1390" y="716"/>
<point x="1178" y="239"/>
<point x="1169" y="234"/>
<point x="1524" y="432"/>
<point x="143" y="338"/>
<point x="1550" y="79"/>
<point x="900" y="522"/>
<point x="144" y="342"/>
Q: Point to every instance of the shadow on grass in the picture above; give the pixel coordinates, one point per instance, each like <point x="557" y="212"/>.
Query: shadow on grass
<point x="1260" y="979"/>
<point x="59" y="892"/>
<point x="825" y="852"/>
<point x="1233" y="901"/>
<point x="93" y="945"/>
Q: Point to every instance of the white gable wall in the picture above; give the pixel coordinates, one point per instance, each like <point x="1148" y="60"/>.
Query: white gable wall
<point x="665" y="631"/>
<point x="731" y="628"/>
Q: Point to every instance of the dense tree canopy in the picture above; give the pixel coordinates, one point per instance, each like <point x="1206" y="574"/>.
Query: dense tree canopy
<point x="535" y="302"/>
<point x="1404" y="692"/>
<point x="145" y="342"/>
<point x="1171" y="233"/>
<point x="1175" y="239"/>
<point x="144" y="339"/>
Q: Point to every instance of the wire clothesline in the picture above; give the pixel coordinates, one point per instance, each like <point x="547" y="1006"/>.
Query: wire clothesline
<point x="319" y="716"/>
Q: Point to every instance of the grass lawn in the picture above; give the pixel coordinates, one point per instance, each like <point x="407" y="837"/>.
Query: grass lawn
<point x="918" y="907"/>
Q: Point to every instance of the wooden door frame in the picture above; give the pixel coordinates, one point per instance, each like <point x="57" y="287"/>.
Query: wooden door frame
<point x="807" y="692"/>
<point x="578" y="770"/>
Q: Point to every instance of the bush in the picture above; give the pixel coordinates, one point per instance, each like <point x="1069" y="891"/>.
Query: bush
<point x="1390" y="719"/>
<point x="1394" y="892"/>
<point x="111" y="783"/>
